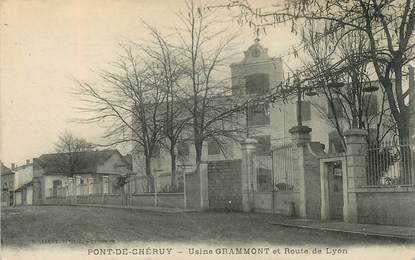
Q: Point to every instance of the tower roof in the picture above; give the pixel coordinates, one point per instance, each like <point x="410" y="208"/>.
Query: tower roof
<point x="255" y="53"/>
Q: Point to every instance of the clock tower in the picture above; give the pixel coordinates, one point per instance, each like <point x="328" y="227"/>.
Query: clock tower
<point x="257" y="72"/>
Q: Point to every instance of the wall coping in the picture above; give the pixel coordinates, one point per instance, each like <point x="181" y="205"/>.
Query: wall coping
<point x="393" y="189"/>
<point x="355" y="131"/>
<point x="302" y="129"/>
<point x="279" y="191"/>
<point x="249" y="141"/>
<point x="158" y="194"/>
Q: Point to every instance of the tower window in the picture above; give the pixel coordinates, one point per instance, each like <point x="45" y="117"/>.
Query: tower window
<point x="257" y="83"/>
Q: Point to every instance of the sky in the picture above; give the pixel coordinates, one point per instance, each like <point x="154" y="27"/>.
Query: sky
<point x="45" y="44"/>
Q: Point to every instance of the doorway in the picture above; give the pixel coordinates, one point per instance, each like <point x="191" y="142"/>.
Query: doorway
<point x="335" y="189"/>
<point x="11" y="198"/>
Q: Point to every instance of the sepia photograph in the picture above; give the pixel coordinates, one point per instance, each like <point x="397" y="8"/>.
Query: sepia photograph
<point x="207" y="129"/>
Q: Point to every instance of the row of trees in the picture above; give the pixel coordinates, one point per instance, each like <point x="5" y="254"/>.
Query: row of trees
<point x="170" y="88"/>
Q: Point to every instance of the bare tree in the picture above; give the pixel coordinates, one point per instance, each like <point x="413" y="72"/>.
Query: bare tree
<point x="205" y="47"/>
<point x="70" y="149"/>
<point x="127" y="100"/>
<point x="174" y="119"/>
<point x="351" y="106"/>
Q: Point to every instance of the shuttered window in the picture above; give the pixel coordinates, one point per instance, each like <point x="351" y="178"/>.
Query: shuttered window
<point x="156" y="150"/>
<point x="306" y="110"/>
<point x="338" y="109"/>
<point x="213" y="148"/>
<point x="335" y="143"/>
<point x="183" y="149"/>
<point x="258" y="115"/>
<point x="370" y="105"/>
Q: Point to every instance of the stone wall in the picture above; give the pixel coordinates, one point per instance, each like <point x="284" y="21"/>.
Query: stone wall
<point x="192" y="190"/>
<point x="224" y="185"/>
<point x="89" y="199"/>
<point x="170" y="200"/>
<point x="166" y="200"/>
<point x="386" y="208"/>
<point x="143" y="200"/>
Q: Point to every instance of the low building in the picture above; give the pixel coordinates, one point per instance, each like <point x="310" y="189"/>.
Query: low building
<point x="7" y="186"/>
<point x="23" y="192"/>
<point x="52" y="179"/>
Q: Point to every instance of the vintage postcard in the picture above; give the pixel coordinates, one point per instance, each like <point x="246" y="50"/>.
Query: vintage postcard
<point x="190" y="129"/>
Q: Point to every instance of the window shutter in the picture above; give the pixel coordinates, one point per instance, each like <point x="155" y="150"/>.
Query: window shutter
<point x="183" y="149"/>
<point x="370" y="105"/>
<point x="306" y="110"/>
<point x="338" y="109"/>
<point x="213" y="148"/>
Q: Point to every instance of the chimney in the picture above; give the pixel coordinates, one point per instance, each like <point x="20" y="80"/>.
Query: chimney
<point x="27" y="161"/>
<point x="13" y="166"/>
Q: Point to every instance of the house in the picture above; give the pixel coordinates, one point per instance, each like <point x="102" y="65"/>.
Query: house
<point x="94" y="172"/>
<point x="7" y="186"/>
<point x="16" y="188"/>
<point x="23" y="192"/>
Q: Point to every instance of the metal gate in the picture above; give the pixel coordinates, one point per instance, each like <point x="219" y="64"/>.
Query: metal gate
<point x="274" y="174"/>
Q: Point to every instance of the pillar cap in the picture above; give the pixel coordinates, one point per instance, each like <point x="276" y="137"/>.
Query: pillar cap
<point x="302" y="129"/>
<point x="249" y="141"/>
<point x="355" y="131"/>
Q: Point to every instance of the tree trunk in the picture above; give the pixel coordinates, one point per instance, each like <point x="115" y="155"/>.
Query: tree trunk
<point x="150" y="179"/>
<point x="405" y="150"/>
<point x="173" y="170"/>
<point x="198" y="148"/>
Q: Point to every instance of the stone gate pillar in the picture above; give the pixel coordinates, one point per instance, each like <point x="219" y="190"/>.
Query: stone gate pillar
<point x="355" y="171"/>
<point x="248" y="174"/>
<point x="300" y="136"/>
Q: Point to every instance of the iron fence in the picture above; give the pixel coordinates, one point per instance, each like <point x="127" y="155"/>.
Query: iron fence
<point x="390" y="163"/>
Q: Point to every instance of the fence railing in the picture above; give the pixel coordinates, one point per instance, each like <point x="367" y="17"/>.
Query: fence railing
<point x="59" y="192"/>
<point x="390" y="163"/>
<point x="160" y="183"/>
